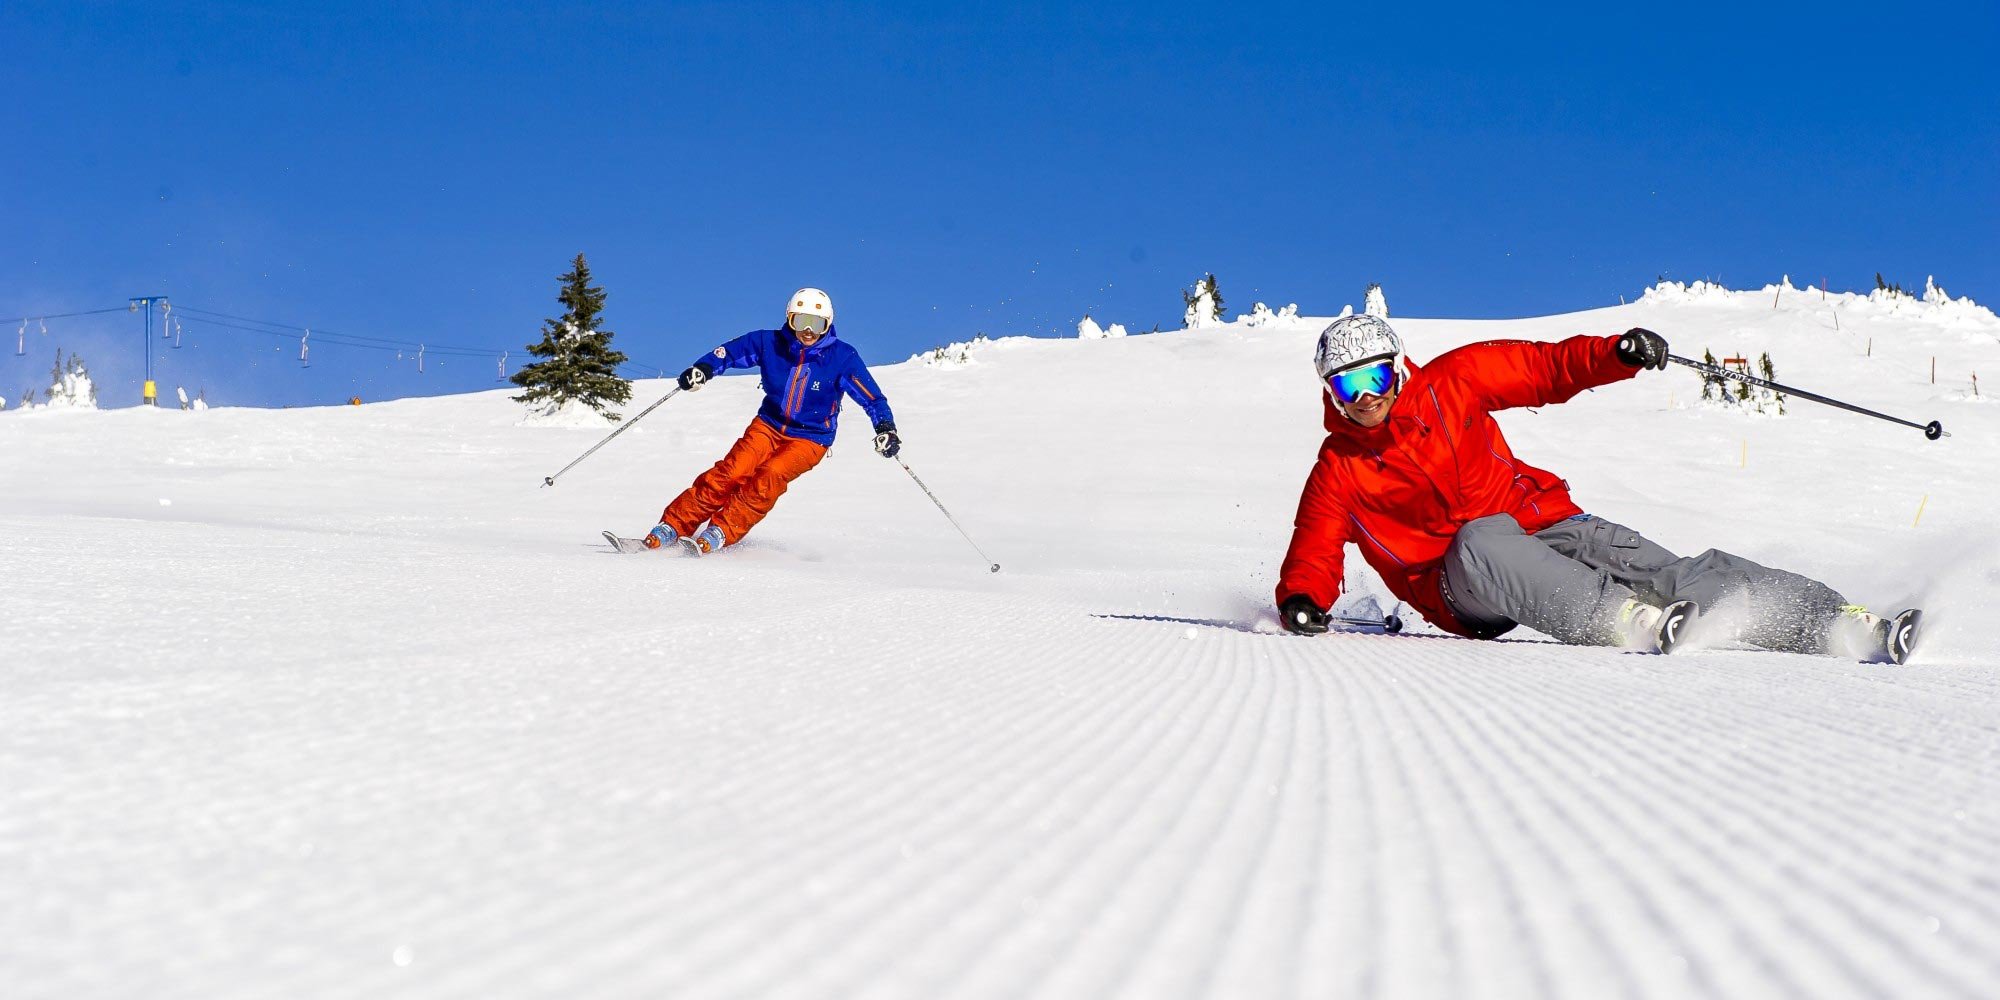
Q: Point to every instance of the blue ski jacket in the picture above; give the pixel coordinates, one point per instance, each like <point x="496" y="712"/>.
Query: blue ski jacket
<point x="803" y="385"/>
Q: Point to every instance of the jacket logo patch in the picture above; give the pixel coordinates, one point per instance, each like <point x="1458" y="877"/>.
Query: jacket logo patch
<point x="721" y="352"/>
<point x="815" y="385"/>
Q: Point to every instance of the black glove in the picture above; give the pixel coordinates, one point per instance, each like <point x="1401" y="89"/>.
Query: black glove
<point x="1299" y="614"/>
<point x="695" y="376"/>
<point x="1643" y="348"/>
<point x="887" y="444"/>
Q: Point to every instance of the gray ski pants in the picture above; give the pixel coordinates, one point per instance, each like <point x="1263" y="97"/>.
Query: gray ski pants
<point x="1568" y="582"/>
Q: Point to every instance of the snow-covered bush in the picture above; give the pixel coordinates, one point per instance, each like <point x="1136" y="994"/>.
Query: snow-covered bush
<point x="1204" y="304"/>
<point x="1676" y="291"/>
<point x="1730" y="392"/>
<point x="1375" y="303"/>
<point x="1089" y="330"/>
<point x="953" y="355"/>
<point x="1261" y="315"/>
<point x="70" y="386"/>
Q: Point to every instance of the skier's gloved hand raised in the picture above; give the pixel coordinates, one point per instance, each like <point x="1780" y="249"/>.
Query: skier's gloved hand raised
<point x="1299" y="614"/>
<point x="887" y="444"/>
<point x="1642" y="348"/>
<point x="694" y="377"/>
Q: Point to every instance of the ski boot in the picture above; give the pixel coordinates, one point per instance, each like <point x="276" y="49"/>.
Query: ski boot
<point x="1644" y="628"/>
<point x="662" y="536"/>
<point x="705" y="542"/>
<point x="1863" y="635"/>
<point x="1638" y="626"/>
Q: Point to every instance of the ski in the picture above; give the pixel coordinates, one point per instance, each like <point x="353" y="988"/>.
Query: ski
<point x="629" y="546"/>
<point x="625" y="545"/>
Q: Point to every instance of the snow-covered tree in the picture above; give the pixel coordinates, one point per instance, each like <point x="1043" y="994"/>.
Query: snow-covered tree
<point x="579" y="364"/>
<point x="1713" y="387"/>
<point x="1769" y="397"/>
<point x="1376" y="303"/>
<point x="1089" y="330"/>
<point x="70" y="384"/>
<point x="1204" y="303"/>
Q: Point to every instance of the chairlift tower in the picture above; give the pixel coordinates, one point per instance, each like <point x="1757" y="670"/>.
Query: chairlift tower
<point x="152" y="394"/>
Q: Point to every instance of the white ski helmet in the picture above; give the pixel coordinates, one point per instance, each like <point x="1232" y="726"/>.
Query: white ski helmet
<point x="1351" y="340"/>
<point x="810" y="302"/>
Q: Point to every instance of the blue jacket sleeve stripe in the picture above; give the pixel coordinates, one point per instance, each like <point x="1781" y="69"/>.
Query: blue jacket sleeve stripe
<point x="861" y="387"/>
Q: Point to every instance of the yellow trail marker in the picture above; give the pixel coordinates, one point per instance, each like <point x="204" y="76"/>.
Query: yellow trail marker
<point x="1920" y="510"/>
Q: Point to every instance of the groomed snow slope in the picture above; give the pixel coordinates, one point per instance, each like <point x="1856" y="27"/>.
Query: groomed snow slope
<point x="338" y="702"/>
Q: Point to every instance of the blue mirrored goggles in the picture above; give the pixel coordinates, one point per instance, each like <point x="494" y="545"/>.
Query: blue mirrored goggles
<point x="1368" y="380"/>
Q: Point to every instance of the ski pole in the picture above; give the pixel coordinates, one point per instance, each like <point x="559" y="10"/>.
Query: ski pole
<point x="995" y="567"/>
<point x="551" y="480"/>
<point x="1932" y="430"/>
<point x="1387" y="623"/>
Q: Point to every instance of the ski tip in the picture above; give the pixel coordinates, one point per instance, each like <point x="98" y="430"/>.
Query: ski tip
<point x="1904" y="630"/>
<point x="1676" y="621"/>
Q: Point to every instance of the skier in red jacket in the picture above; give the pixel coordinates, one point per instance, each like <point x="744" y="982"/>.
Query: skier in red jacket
<point x="1415" y="472"/>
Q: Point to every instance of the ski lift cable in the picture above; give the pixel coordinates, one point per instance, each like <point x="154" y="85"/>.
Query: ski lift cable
<point x="356" y="339"/>
<point x="402" y="344"/>
<point x="44" y="317"/>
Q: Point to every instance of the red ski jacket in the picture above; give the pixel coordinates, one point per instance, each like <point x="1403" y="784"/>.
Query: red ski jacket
<point x="1400" y="490"/>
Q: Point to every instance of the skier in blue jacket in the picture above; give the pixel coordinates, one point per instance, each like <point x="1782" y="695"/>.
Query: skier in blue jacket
<point x="805" y="370"/>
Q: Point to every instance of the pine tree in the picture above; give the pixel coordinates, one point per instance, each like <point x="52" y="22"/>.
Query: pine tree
<point x="580" y="364"/>
<point x="1712" y="387"/>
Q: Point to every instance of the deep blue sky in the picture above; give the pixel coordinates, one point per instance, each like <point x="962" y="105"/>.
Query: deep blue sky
<point x="423" y="173"/>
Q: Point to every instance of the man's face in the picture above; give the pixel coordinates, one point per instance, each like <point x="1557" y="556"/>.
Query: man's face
<point x="1371" y="410"/>
<point x="806" y="327"/>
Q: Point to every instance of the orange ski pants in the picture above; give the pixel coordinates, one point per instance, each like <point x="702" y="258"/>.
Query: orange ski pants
<point x="745" y="485"/>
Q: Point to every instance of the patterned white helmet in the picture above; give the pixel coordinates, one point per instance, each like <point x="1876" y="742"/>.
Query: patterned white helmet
<point x="809" y="303"/>
<point x="1350" y="340"/>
